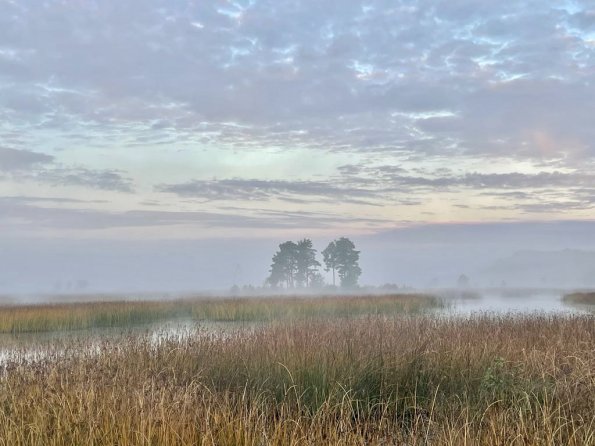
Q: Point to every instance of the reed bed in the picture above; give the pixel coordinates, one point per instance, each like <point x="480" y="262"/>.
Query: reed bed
<point x="526" y="380"/>
<point x="274" y="308"/>
<point x="78" y="316"/>
<point x="86" y="315"/>
<point x="584" y="298"/>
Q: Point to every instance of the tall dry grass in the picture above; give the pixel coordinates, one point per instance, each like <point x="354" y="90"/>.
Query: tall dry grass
<point x="303" y="307"/>
<point x="78" y="316"/>
<point x="581" y="298"/>
<point x="526" y="380"/>
<point x="85" y="315"/>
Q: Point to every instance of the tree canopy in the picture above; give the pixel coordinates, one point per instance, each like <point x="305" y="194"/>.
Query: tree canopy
<point x="307" y="265"/>
<point x="295" y="264"/>
<point x="284" y="266"/>
<point x="341" y="257"/>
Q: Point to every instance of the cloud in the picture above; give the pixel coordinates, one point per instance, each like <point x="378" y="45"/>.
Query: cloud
<point x="373" y="97"/>
<point x="584" y="20"/>
<point x="262" y="190"/>
<point x="34" y="166"/>
<point x="392" y="185"/>
<point x="109" y="180"/>
<point x="39" y="200"/>
<point x="16" y="159"/>
<point x="510" y="78"/>
<point x="157" y="119"/>
<point x="385" y="177"/>
<point x="526" y="117"/>
<point x="25" y="216"/>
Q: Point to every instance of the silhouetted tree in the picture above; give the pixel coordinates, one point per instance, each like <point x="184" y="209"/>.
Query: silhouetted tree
<point x="340" y="255"/>
<point x="306" y="263"/>
<point x="294" y="264"/>
<point x="284" y="266"/>
<point x="329" y="258"/>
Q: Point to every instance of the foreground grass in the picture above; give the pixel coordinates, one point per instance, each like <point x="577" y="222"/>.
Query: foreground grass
<point x="86" y="315"/>
<point x="366" y="381"/>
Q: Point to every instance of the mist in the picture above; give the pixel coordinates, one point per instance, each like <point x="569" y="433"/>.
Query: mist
<point x="544" y="255"/>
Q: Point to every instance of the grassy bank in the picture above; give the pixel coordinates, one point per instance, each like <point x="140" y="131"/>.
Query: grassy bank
<point x="79" y="316"/>
<point x="86" y="315"/>
<point x="274" y="308"/>
<point x="586" y="298"/>
<point x="366" y="381"/>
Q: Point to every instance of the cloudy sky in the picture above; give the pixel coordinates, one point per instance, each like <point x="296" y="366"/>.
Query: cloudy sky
<point x="148" y="120"/>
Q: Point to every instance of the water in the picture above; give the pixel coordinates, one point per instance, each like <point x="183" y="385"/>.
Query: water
<point x="501" y="302"/>
<point x="35" y="347"/>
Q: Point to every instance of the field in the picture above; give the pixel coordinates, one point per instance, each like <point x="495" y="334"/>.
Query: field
<point x="86" y="315"/>
<point x="304" y="378"/>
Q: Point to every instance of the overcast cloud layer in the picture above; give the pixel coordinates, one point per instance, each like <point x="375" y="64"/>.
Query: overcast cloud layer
<point x="159" y="119"/>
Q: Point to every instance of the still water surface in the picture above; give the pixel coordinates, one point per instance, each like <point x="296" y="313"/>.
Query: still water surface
<point x="503" y="302"/>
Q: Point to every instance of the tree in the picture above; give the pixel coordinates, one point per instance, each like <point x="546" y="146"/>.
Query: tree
<point x="316" y="280"/>
<point x="284" y="266"/>
<point x="340" y="256"/>
<point x="329" y="257"/>
<point x="294" y="264"/>
<point x="306" y="263"/>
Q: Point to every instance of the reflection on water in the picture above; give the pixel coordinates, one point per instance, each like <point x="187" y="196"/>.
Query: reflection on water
<point x="40" y="346"/>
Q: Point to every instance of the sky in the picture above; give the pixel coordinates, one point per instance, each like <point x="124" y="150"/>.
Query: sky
<point x="235" y="125"/>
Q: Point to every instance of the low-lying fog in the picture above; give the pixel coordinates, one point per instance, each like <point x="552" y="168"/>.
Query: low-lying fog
<point x="508" y="301"/>
<point x="538" y="255"/>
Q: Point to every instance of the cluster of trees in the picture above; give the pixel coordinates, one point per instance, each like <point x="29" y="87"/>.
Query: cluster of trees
<point x="295" y="265"/>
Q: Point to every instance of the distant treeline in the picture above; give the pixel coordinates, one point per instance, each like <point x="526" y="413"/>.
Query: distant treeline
<point x="294" y="265"/>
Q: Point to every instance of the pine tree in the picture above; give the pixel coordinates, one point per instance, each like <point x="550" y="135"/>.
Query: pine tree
<point x="340" y="256"/>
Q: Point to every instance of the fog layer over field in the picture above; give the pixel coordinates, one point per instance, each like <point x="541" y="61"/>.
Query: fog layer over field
<point x="555" y="255"/>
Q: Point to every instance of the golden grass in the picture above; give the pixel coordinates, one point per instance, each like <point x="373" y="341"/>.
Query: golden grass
<point x="300" y="307"/>
<point x="527" y="380"/>
<point x="85" y="315"/>
<point x="77" y="316"/>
